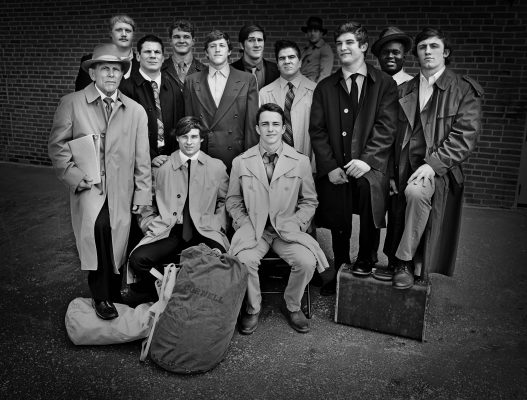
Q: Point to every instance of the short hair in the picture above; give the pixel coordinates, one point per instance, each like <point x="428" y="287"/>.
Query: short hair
<point x="270" y="107"/>
<point x="285" y="44"/>
<point x="429" y="32"/>
<point x="186" y="124"/>
<point x="183" y="25"/>
<point x="149" y="38"/>
<point x="247" y="29"/>
<point x="360" y="32"/>
<point x="121" y="18"/>
<point x="214" y="35"/>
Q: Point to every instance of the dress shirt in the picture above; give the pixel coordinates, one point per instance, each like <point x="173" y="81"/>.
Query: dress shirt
<point x="362" y="71"/>
<point x="401" y="77"/>
<point x="113" y="97"/>
<point x="186" y="61"/>
<point x="426" y="87"/>
<point x="149" y="79"/>
<point x="284" y="88"/>
<point x="217" y="80"/>
<point x="185" y="158"/>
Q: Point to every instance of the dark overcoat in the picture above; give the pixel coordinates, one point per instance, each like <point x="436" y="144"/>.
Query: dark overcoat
<point x="372" y="136"/>
<point x="271" y="72"/>
<point x="169" y="69"/>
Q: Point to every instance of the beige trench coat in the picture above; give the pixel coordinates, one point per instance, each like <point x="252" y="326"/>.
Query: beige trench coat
<point x="289" y="201"/>
<point x="125" y="167"/>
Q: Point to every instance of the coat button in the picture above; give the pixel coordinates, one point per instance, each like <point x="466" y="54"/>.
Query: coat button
<point x="178" y="196"/>
<point x="102" y="173"/>
<point x="346" y="111"/>
<point x="229" y="148"/>
<point x="174" y="213"/>
<point x="344" y="133"/>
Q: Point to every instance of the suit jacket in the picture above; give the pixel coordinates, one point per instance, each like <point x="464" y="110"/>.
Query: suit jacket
<point x="230" y="128"/>
<point x="125" y="166"/>
<point x="172" y="108"/>
<point x="83" y="78"/>
<point x="300" y="111"/>
<point x="271" y="71"/>
<point x="289" y="201"/>
<point x="169" y="69"/>
<point x="372" y="136"/>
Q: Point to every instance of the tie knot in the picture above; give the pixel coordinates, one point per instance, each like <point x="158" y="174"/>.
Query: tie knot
<point x="154" y="85"/>
<point x="291" y="86"/>
<point x="353" y="77"/>
<point x="108" y="101"/>
<point x="270" y="157"/>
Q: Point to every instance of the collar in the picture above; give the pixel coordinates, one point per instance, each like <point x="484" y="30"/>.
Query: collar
<point x="430" y="81"/>
<point x="113" y="96"/>
<point x="187" y="59"/>
<point x="318" y="44"/>
<point x="278" y="151"/>
<point x="362" y="70"/>
<point x="184" y="158"/>
<point x="225" y="71"/>
<point x="401" y="77"/>
<point x="149" y="79"/>
<point x="295" y="81"/>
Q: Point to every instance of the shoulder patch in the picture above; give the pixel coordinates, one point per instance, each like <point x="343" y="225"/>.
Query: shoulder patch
<point x="476" y="86"/>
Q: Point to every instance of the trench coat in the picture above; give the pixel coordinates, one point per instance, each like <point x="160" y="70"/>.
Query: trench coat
<point x="372" y="137"/>
<point x="230" y="128"/>
<point x="125" y="167"/>
<point x="450" y="135"/>
<point x="289" y="201"/>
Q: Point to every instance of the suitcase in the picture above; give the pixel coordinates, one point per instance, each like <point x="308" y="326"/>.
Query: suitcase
<point x="368" y="303"/>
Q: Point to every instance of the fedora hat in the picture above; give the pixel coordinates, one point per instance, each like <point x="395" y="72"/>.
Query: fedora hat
<point x="314" y="23"/>
<point x="391" y="34"/>
<point x="107" y="52"/>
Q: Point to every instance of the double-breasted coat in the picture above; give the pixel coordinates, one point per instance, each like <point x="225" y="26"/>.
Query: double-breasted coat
<point x="230" y="128"/>
<point x="372" y="135"/>
<point x="289" y="201"/>
<point x="125" y="167"/>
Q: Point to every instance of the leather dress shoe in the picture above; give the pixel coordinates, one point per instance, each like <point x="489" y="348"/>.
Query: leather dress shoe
<point x="105" y="309"/>
<point x="385" y="273"/>
<point x="296" y="319"/>
<point x="248" y="323"/>
<point x="133" y="297"/>
<point x="329" y="288"/>
<point x="362" y="268"/>
<point x="404" y="275"/>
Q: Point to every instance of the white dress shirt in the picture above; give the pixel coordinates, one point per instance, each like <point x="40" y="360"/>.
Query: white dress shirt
<point x="426" y="87"/>
<point x="217" y="80"/>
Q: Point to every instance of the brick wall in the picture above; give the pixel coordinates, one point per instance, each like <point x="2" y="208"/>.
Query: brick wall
<point x="41" y="43"/>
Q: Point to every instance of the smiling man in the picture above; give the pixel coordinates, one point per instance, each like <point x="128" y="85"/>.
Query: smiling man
<point x="439" y="121"/>
<point x="252" y="44"/>
<point x="390" y="50"/>
<point x="225" y="100"/>
<point x="353" y="122"/>
<point x="272" y="200"/>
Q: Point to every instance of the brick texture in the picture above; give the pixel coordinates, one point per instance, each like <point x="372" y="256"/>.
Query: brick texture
<point x="41" y="43"/>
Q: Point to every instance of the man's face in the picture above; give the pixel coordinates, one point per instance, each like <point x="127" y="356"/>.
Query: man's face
<point x="288" y="63"/>
<point x="253" y="47"/>
<point x="314" y="35"/>
<point x="391" y="57"/>
<point x="182" y="42"/>
<point x="151" y="57"/>
<point x="106" y="76"/>
<point x="122" y="35"/>
<point x="431" y="54"/>
<point x="349" y="50"/>
<point x="270" y="128"/>
<point x="218" y="53"/>
<point x="190" y="143"/>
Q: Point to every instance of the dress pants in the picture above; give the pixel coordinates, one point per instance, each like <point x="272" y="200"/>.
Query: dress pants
<point x="104" y="283"/>
<point x="300" y="259"/>
<point x="369" y="235"/>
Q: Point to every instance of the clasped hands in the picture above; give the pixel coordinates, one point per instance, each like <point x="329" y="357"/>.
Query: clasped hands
<point x="355" y="168"/>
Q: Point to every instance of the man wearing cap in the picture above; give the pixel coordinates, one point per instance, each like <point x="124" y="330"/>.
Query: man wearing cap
<point x="439" y="121"/>
<point x="122" y="29"/>
<point x="101" y="206"/>
<point x="317" y="56"/>
<point x="182" y="62"/>
<point x="390" y="49"/>
<point x="252" y="42"/>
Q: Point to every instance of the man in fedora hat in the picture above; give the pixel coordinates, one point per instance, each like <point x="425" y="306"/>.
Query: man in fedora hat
<point x="390" y="49"/>
<point x="317" y="56"/>
<point x="101" y="206"/>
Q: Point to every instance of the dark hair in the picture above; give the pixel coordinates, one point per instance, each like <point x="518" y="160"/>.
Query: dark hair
<point x="270" y="107"/>
<point x="247" y="29"/>
<point x="360" y="32"/>
<point x="183" y="25"/>
<point x="286" y="44"/>
<point x="214" y="35"/>
<point x="186" y="124"/>
<point x="149" y="38"/>
<point x="121" y="18"/>
<point x="429" y="32"/>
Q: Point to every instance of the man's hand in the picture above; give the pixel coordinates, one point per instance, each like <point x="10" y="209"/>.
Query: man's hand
<point x="356" y="168"/>
<point x="84" y="184"/>
<point x="423" y="175"/>
<point x="393" y="187"/>
<point x="159" y="160"/>
<point x="337" y="176"/>
<point x="137" y="209"/>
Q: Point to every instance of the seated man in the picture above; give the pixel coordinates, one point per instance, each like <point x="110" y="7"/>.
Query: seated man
<point x="272" y="201"/>
<point x="189" y="211"/>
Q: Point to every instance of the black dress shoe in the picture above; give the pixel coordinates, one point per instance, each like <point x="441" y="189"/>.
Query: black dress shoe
<point x="362" y="268"/>
<point x="133" y="298"/>
<point x="105" y="309"/>
<point x="329" y="288"/>
<point x="248" y="323"/>
<point x="296" y="319"/>
<point x="404" y="275"/>
<point x="385" y="273"/>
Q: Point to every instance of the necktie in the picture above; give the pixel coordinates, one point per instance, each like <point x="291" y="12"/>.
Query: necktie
<point x="354" y="93"/>
<point x="108" y="107"/>
<point x="187" y="222"/>
<point x="253" y="69"/>
<point x="181" y="71"/>
<point x="288" y="134"/>
<point x="160" y="127"/>
<point x="269" y="165"/>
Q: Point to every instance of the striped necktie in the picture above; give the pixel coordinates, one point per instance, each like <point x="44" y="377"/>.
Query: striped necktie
<point x="160" y="126"/>
<point x="288" y="134"/>
<point x="108" y="107"/>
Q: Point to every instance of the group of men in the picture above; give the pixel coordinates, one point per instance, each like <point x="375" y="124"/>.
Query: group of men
<point x="320" y="148"/>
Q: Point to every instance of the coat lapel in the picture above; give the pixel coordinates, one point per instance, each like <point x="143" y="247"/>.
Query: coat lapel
<point x="231" y="92"/>
<point x="202" y="90"/>
<point x="408" y="104"/>
<point x="286" y="162"/>
<point x="255" y="165"/>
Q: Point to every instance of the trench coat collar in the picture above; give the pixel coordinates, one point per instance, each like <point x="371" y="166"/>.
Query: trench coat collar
<point x="92" y="95"/>
<point x="175" y="159"/>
